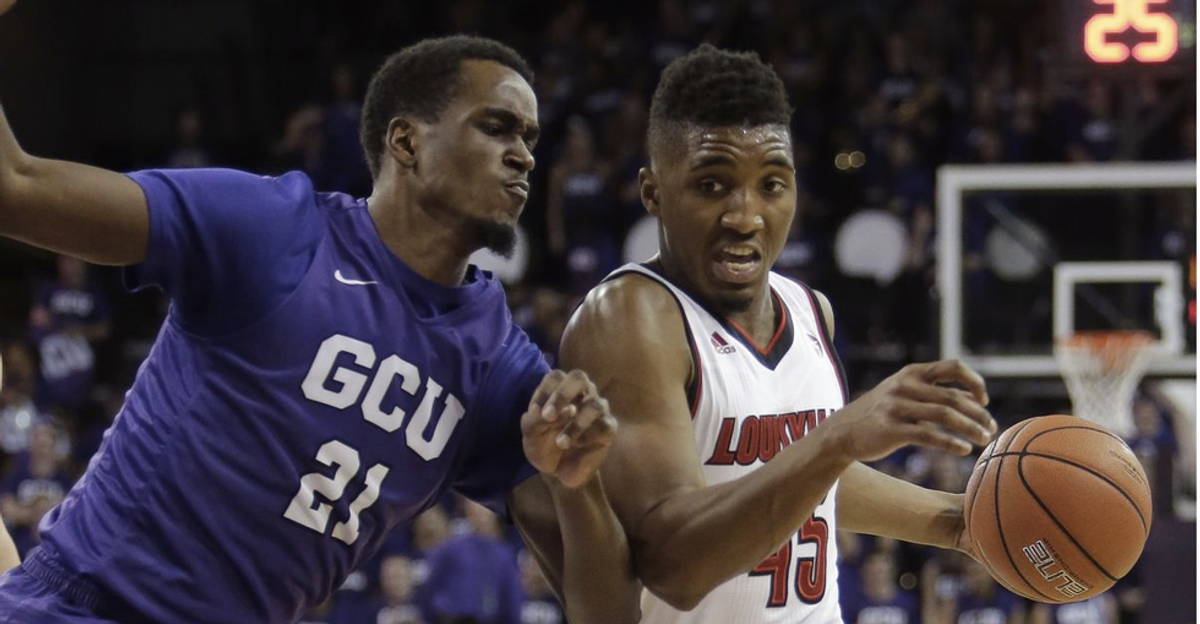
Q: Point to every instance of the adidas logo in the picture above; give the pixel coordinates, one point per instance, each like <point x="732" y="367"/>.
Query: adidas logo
<point x="720" y="344"/>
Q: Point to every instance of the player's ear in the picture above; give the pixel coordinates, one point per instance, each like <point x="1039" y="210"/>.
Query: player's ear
<point x="402" y="142"/>
<point x="648" y="188"/>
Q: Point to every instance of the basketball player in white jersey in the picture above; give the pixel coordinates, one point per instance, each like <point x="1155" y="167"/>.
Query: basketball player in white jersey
<point x="737" y="456"/>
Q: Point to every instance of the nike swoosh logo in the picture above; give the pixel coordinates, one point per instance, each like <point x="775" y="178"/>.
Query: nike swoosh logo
<point x="353" y="282"/>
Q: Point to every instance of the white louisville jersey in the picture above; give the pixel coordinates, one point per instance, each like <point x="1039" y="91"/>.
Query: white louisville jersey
<point x="748" y="403"/>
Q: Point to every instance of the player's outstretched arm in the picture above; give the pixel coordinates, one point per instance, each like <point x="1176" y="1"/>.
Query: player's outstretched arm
<point x="688" y="537"/>
<point x="77" y="210"/>
<point x="869" y="501"/>
<point x="563" y="514"/>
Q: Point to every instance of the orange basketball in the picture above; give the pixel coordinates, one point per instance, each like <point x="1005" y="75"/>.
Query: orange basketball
<point x="1058" y="508"/>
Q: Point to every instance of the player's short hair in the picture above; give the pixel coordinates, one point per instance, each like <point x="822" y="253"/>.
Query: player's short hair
<point x="711" y="87"/>
<point x="420" y="80"/>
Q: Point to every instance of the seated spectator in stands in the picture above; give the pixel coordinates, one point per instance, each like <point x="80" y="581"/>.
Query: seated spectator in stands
<point x="1154" y="443"/>
<point x="37" y="483"/>
<point x="189" y="151"/>
<point x="394" y="603"/>
<point x="882" y="600"/>
<point x="18" y="413"/>
<point x="473" y="576"/>
<point x="69" y="317"/>
<point x="982" y="600"/>
<point x="538" y="604"/>
<point x="582" y="210"/>
<point x="1100" y="609"/>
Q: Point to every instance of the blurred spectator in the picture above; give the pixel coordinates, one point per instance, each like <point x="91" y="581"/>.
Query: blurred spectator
<point x="852" y="552"/>
<point x="189" y="150"/>
<point x="1101" y="609"/>
<point x="942" y="582"/>
<point x="36" y="484"/>
<point x="882" y="600"/>
<point x="342" y="166"/>
<point x="1154" y="444"/>
<point x="473" y="576"/>
<point x="395" y="602"/>
<point x="18" y="413"/>
<point x="983" y="601"/>
<point x="303" y="143"/>
<point x="580" y="207"/>
<point x="1095" y="132"/>
<point x="539" y="604"/>
<point x="429" y="530"/>
<point x="548" y="319"/>
<point x="69" y="317"/>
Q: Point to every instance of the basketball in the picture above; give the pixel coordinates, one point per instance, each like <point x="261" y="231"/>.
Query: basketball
<point x="1058" y="508"/>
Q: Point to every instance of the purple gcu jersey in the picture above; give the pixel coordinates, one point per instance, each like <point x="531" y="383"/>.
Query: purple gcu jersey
<point x="307" y="394"/>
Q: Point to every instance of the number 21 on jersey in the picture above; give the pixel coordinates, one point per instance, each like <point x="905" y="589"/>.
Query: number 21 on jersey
<point x="809" y="580"/>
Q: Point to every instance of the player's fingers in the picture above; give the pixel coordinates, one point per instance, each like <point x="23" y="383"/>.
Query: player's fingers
<point x="959" y="400"/>
<point x="591" y="409"/>
<point x="956" y="372"/>
<point x="946" y="418"/>
<point x="544" y="393"/>
<point x="602" y="431"/>
<point x="927" y="435"/>
<point x="573" y="387"/>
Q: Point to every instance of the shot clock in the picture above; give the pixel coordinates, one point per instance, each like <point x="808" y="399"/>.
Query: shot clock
<point x="1130" y="32"/>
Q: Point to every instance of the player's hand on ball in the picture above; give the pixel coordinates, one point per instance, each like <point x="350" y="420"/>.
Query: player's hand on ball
<point x="5" y="5"/>
<point x="939" y="405"/>
<point x="567" y="430"/>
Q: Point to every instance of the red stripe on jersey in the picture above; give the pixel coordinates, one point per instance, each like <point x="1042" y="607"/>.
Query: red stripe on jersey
<point x="783" y="321"/>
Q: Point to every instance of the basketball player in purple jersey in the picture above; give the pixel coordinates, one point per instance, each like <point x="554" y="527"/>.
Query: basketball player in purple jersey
<point x="329" y="368"/>
<point x="726" y="384"/>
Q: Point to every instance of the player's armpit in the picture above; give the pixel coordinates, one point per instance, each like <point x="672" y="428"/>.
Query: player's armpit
<point x="74" y="209"/>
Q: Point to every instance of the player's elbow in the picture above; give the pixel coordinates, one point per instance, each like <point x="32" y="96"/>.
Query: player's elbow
<point x="676" y="585"/>
<point x="14" y="179"/>
<point x="680" y="596"/>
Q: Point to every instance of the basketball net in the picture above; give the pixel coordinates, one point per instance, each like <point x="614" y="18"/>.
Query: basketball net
<point x="1102" y="370"/>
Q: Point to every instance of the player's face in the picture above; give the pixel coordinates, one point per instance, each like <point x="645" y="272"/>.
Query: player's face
<point x="474" y="162"/>
<point x="725" y="198"/>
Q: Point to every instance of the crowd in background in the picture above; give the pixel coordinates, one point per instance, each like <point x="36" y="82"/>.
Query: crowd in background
<point x="884" y="92"/>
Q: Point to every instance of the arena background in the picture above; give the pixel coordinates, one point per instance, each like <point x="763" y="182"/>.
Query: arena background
<point x="887" y="93"/>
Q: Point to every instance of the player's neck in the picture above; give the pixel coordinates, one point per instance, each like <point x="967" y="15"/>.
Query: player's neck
<point x="433" y="248"/>
<point x="759" y="319"/>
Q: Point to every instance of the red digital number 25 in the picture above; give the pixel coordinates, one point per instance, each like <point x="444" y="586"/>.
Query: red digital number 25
<point x="1133" y="14"/>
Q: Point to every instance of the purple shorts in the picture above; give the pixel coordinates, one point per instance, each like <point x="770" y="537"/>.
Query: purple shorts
<point x="26" y="600"/>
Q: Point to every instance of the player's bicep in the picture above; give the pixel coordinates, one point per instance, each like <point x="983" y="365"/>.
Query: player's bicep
<point x="632" y="344"/>
<point x="98" y="215"/>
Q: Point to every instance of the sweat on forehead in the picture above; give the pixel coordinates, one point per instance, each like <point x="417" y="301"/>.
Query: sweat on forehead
<point x="668" y="143"/>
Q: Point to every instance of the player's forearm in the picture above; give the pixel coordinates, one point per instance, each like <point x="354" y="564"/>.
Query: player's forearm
<point x="695" y="541"/>
<point x="598" y="583"/>
<point x="872" y="502"/>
